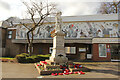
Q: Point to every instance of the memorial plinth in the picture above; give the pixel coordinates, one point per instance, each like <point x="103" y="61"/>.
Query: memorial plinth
<point x="58" y="55"/>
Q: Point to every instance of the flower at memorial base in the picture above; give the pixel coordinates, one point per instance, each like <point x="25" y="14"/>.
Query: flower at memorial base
<point x="80" y="66"/>
<point x="63" y="73"/>
<point x="56" y="74"/>
<point x="70" y="72"/>
<point x="82" y="72"/>
<point x="76" y="72"/>
<point x="74" y="66"/>
<point x="65" y="67"/>
<point x="77" y="66"/>
<point x="66" y="73"/>
<point x="66" y="70"/>
<point x="70" y="64"/>
<point x="43" y="62"/>
<point x="52" y="74"/>
<point x="38" y="64"/>
<point x="61" y="67"/>
<point x="60" y="73"/>
<point x="79" y="72"/>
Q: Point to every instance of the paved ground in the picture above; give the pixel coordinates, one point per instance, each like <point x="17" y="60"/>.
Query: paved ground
<point x="99" y="70"/>
<point x="16" y="70"/>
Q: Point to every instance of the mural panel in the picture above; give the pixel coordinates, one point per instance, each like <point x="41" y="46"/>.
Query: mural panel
<point x="74" y="30"/>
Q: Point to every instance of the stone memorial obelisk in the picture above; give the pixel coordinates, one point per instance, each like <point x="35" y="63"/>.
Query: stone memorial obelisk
<point x="58" y="54"/>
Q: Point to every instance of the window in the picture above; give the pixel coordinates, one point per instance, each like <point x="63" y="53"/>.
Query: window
<point x="70" y="50"/>
<point x="67" y="49"/>
<point x="50" y="49"/>
<point x="115" y="51"/>
<point x="102" y="50"/>
<point x="9" y="34"/>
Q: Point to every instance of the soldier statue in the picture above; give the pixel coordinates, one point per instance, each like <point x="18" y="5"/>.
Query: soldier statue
<point x="58" y="21"/>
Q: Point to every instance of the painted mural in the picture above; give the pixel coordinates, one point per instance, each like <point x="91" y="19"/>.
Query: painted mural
<point x="74" y="30"/>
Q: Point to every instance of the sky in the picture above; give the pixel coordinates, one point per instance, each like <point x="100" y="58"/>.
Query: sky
<point x="15" y="8"/>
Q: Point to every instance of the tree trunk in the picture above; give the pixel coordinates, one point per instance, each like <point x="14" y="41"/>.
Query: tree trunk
<point x="30" y="42"/>
<point x="30" y="49"/>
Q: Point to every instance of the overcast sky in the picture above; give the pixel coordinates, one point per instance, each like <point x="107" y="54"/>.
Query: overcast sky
<point x="15" y="8"/>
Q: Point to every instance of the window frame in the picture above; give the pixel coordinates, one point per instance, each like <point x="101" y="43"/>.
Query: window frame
<point x="70" y="52"/>
<point x="10" y="34"/>
<point x="105" y="51"/>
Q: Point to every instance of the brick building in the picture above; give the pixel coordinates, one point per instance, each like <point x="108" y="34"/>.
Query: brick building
<point x="90" y="37"/>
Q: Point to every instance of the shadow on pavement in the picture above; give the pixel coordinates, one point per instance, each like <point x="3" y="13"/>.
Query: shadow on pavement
<point x="117" y="73"/>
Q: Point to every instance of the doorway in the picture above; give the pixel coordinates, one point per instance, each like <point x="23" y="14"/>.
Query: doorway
<point x="86" y="52"/>
<point x="89" y="52"/>
<point x="115" y="52"/>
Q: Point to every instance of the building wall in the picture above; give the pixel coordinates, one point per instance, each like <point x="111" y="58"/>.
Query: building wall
<point x="13" y="49"/>
<point x="77" y="55"/>
<point x="41" y="48"/>
<point x="96" y="53"/>
<point x="3" y="41"/>
<point x="0" y="42"/>
<point x="4" y="30"/>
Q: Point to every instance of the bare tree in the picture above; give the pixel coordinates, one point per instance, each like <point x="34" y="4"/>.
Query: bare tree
<point x="109" y="8"/>
<point x="42" y="11"/>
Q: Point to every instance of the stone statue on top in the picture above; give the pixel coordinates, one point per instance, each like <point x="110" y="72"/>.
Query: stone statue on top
<point x="58" y="21"/>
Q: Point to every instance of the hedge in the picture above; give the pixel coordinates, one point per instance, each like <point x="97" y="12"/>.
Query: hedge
<point x="25" y="58"/>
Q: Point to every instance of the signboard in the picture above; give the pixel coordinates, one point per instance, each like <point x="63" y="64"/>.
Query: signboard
<point x="82" y="49"/>
<point x="108" y="50"/>
<point x="89" y="56"/>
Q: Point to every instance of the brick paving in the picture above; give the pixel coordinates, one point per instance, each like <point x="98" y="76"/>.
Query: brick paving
<point x="99" y="70"/>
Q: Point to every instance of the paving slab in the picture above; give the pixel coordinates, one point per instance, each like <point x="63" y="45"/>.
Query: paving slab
<point x="16" y="70"/>
<point x="86" y="75"/>
<point x="99" y="70"/>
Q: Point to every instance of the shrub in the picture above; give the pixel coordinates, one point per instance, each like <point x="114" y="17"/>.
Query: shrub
<point x="30" y="60"/>
<point x="21" y="58"/>
<point x="25" y="54"/>
<point x="25" y="58"/>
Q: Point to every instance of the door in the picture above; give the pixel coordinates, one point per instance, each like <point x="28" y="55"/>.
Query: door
<point x="89" y="52"/>
<point x="115" y="52"/>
